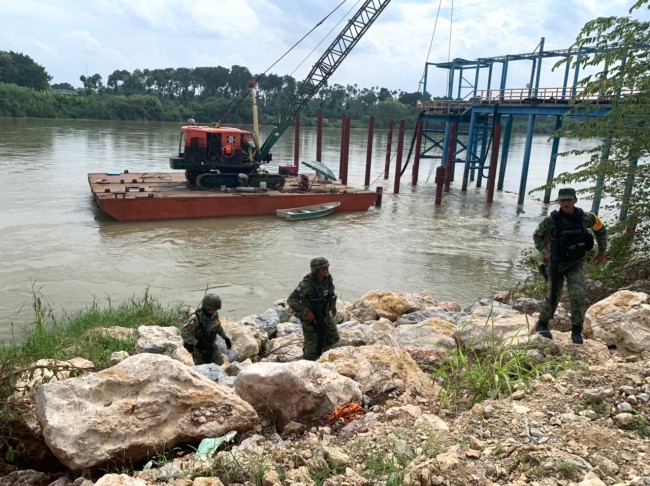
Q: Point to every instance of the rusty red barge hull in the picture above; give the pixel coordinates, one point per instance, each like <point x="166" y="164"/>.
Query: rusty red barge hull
<point x="164" y="195"/>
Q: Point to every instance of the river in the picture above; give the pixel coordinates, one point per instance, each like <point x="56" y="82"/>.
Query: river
<point x="57" y="245"/>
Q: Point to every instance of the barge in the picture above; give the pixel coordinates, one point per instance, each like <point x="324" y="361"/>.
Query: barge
<point x="144" y="196"/>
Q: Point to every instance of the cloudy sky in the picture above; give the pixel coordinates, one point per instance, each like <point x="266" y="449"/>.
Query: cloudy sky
<point x="70" y="38"/>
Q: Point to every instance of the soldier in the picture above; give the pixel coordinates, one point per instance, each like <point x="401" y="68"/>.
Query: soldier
<point x="314" y="303"/>
<point x="564" y="239"/>
<point x="201" y="329"/>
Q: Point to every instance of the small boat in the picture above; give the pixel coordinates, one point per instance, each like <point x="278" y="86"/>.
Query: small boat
<point x="308" y="212"/>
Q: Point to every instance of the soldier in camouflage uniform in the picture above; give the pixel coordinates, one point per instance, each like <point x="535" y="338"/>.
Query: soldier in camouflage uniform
<point x="564" y="238"/>
<point x="314" y="303"/>
<point x="201" y="329"/>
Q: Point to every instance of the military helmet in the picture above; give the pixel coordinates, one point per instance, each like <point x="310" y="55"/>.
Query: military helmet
<point x="211" y="300"/>
<point x="318" y="263"/>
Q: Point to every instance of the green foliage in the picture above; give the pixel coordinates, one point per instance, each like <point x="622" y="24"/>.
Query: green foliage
<point x="20" y="69"/>
<point x="475" y="372"/>
<point x="70" y="336"/>
<point x="619" y="58"/>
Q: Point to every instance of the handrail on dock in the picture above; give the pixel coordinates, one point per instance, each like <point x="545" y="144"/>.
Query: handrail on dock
<point x="512" y="96"/>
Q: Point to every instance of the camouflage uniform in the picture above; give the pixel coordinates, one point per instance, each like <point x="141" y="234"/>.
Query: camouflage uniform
<point x="316" y="296"/>
<point x="571" y="269"/>
<point x="200" y="332"/>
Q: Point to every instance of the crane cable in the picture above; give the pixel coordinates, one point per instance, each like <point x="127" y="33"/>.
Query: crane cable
<point x="433" y="34"/>
<point x="252" y="83"/>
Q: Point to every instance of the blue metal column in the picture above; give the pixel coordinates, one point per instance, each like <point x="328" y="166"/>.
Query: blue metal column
<point x="524" y="167"/>
<point x="629" y="183"/>
<point x="504" y="76"/>
<point x="489" y="80"/>
<point x="507" y="131"/>
<point x="576" y="73"/>
<point x="600" y="179"/>
<point x="450" y="85"/>
<point x="551" y="165"/>
<point x="484" y="144"/>
<point x="539" y="66"/>
<point x="469" y="149"/>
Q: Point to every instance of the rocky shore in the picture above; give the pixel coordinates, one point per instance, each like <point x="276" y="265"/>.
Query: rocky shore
<point x="367" y="412"/>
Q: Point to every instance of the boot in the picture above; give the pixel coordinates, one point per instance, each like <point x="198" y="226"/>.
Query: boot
<point x="542" y="329"/>
<point x="576" y="334"/>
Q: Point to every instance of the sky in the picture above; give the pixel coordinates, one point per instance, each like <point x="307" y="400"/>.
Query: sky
<point x="70" y="38"/>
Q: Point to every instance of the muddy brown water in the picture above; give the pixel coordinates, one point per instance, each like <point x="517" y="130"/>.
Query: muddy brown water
<point x="56" y="244"/>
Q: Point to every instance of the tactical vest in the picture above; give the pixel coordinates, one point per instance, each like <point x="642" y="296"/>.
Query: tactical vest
<point x="572" y="240"/>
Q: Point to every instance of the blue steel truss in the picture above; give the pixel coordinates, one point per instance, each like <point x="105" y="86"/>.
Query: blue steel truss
<point x="479" y="109"/>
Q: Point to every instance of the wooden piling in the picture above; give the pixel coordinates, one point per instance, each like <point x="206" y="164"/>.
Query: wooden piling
<point x="494" y="160"/>
<point x="389" y="142"/>
<point x="398" y="160"/>
<point x="371" y="133"/>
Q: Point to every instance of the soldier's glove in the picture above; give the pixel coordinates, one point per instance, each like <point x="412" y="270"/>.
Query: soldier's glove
<point x="228" y="343"/>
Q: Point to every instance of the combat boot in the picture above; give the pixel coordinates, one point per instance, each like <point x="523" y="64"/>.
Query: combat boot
<point x="542" y="329"/>
<point x="576" y="334"/>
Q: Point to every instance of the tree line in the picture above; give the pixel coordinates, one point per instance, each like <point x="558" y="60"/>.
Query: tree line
<point x="206" y="94"/>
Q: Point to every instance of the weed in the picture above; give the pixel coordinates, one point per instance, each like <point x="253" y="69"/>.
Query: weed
<point x="63" y="338"/>
<point x="487" y="369"/>
<point x="569" y="470"/>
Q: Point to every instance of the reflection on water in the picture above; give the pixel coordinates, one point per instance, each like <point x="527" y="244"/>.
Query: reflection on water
<point x="54" y="239"/>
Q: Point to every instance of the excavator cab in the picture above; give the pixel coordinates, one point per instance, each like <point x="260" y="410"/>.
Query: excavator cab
<point x="214" y="156"/>
<point x="206" y="148"/>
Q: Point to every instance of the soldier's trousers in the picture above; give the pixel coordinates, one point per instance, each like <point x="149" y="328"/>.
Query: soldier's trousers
<point x="330" y="338"/>
<point x="207" y="355"/>
<point x="574" y="273"/>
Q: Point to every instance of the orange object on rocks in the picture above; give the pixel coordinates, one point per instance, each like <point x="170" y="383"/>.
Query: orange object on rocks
<point x="347" y="412"/>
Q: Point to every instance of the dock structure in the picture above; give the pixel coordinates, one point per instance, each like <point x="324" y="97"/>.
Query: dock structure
<point x="472" y="108"/>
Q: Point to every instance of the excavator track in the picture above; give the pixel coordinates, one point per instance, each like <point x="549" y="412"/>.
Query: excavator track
<point x="216" y="181"/>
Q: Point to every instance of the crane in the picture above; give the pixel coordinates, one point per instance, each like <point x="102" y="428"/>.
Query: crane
<point x="213" y="156"/>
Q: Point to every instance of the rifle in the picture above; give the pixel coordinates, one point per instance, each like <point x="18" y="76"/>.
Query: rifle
<point x="554" y="264"/>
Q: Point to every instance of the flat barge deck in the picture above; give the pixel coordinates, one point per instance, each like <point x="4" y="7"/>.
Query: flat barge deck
<point x="144" y="196"/>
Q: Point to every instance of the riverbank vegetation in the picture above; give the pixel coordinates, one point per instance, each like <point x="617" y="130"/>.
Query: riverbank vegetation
<point x="205" y="94"/>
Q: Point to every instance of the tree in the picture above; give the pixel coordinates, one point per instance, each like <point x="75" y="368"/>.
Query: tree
<point x="92" y="84"/>
<point x="22" y="70"/>
<point x="66" y="86"/>
<point x="618" y="167"/>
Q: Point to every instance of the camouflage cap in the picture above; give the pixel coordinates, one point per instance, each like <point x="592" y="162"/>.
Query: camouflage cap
<point x="566" y="193"/>
<point x="211" y="300"/>
<point x="318" y="263"/>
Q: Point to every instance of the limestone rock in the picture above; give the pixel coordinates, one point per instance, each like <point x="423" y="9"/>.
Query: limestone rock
<point x="380" y="370"/>
<point x="621" y="320"/>
<point x="125" y="413"/>
<point x="296" y="391"/>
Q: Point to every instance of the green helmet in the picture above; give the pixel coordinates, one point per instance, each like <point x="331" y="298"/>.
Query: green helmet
<point x="318" y="263"/>
<point x="211" y="300"/>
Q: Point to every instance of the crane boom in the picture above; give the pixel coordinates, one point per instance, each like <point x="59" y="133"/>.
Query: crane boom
<point x="324" y="67"/>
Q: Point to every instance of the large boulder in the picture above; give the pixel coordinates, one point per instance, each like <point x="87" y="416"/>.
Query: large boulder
<point x="162" y="340"/>
<point x="621" y="320"/>
<point x="297" y="391"/>
<point x="124" y="414"/>
<point x="376" y="304"/>
<point x="382" y="371"/>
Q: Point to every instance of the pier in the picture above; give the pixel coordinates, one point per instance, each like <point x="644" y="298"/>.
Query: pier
<point x="474" y="114"/>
